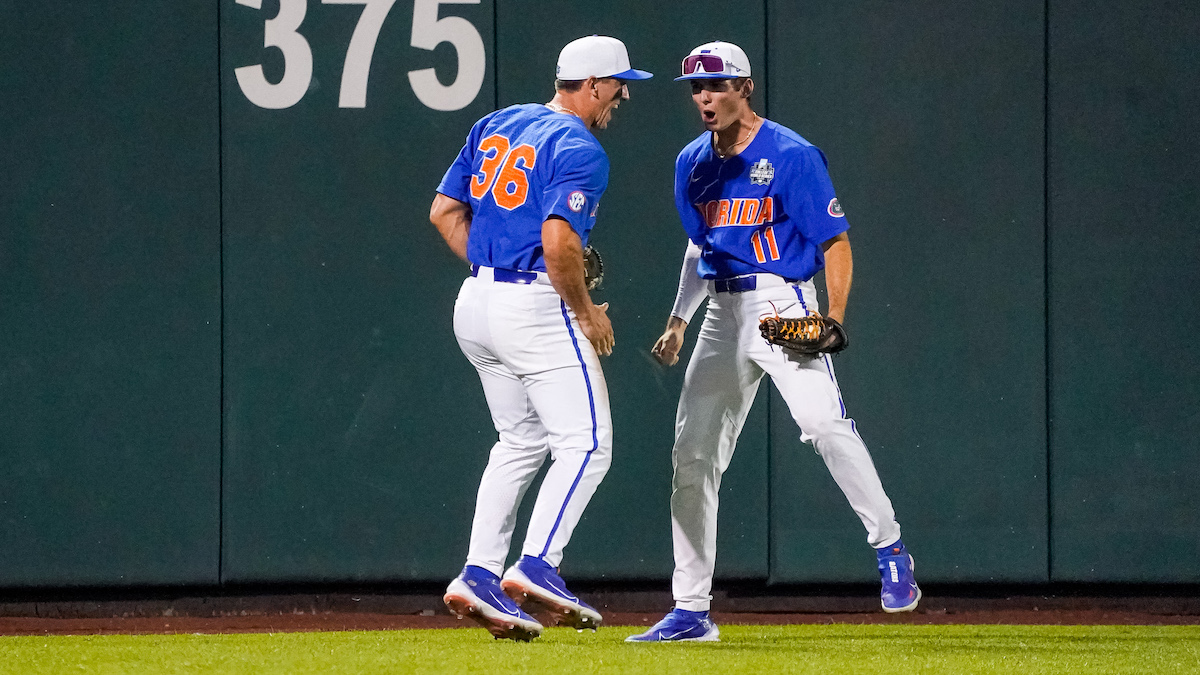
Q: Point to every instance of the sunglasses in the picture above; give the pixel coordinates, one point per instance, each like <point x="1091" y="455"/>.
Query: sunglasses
<point x="711" y="63"/>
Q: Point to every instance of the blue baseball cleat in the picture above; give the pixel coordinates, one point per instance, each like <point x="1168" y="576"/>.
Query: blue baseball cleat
<point x="534" y="579"/>
<point x="900" y="592"/>
<point x="680" y="625"/>
<point x="476" y="593"/>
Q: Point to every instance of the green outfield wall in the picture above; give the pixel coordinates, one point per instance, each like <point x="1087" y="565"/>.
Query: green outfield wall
<point x="941" y="153"/>
<point x="110" y="294"/>
<point x="1123" y="194"/>
<point x="226" y="353"/>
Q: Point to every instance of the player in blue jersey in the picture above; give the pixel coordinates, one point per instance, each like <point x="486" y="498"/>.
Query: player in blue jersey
<point x="518" y="204"/>
<point x="762" y="219"/>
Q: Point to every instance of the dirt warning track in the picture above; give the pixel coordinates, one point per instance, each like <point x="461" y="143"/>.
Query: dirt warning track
<point x="269" y="613"/>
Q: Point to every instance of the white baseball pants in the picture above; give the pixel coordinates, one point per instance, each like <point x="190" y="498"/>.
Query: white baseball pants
<point x="718" y="390"/>
<point x="547" y="396"/>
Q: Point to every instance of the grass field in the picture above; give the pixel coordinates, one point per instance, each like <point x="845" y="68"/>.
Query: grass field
<point x="828" y="649"/>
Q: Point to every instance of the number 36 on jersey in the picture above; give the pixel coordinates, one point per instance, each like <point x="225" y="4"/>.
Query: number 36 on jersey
<point x="504" y="171"/>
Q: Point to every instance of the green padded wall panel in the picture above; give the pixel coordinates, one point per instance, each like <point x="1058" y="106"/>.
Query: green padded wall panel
<point x="931" y="117"/>
<point x="109" y="294"/>
<point x="1124" y="193"/>
<point x="349" y="408"/>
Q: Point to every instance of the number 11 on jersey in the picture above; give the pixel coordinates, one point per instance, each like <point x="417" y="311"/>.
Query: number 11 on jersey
<point x="772" y="248"/>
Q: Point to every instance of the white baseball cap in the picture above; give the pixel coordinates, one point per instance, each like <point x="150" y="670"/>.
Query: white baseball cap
<point x="596" y="56"/>
<point x="715" y="60"/>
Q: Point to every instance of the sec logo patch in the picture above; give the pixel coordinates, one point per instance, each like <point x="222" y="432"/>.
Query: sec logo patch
<point x="576" y="201"/>
<point x="835" y="208"/>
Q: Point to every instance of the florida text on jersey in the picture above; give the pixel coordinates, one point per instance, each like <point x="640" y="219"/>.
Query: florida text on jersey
<point x="766" y="209"/>
<point x="520" y="166"/>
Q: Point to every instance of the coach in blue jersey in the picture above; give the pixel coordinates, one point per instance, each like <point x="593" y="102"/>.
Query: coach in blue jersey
<point x="518" y="204"/>
<point x="762" y="219"/>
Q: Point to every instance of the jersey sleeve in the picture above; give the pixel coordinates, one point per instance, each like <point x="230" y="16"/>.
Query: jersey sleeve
<point x="693" y="222"/>
<point x="578" y="181"/>
<point x="456" y="184"/>
<point x="812" y="202"/>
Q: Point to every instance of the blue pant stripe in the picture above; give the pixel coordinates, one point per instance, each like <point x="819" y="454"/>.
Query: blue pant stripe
<point x="800" y="297"/>
<point x="829" y="369"/>
<point x="854" y="428"/>
<point x="587" y="381"/>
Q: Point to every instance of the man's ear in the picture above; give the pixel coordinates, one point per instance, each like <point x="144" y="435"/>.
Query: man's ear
<point x="747" y="88"/>
<point x="590" y="84"/>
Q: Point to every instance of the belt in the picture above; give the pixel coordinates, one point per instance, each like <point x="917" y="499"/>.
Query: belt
<point x="506" y="276"/>
<point x="737" y="284"/>
<point x="749" y="282"/>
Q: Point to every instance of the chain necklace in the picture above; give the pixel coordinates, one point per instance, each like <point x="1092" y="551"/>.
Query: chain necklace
<point x="725" y="154"/>
<point x="560" y="109"/>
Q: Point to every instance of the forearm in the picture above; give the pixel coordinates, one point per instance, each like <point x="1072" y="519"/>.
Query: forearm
<point x="691" y="292"/>
<point x="452" y="219"/>
<point x="839" y="274"/>
<point x="563" y="252"/>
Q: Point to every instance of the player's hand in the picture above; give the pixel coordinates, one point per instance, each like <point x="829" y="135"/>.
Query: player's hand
<point x="666" y="350"/>
<point x="598" y="329"/>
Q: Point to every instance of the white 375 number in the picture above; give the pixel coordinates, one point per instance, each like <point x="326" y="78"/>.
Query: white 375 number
<point x="428" y="31"/>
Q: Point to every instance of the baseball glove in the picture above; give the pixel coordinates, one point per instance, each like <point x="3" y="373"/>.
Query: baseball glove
<point x="810" y="335"/>
<point x="593" y="268"/>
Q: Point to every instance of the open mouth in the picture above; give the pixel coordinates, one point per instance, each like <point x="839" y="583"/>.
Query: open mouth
<point x="708" y="115"/>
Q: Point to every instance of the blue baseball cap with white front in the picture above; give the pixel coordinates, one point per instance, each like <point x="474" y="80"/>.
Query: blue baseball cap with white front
<point x="715" y="61"/>
<point x="596" y="56"/>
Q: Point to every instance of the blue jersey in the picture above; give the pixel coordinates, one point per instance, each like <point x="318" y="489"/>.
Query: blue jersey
<point x="520" y="166"/>
<point x="766" y="209"/>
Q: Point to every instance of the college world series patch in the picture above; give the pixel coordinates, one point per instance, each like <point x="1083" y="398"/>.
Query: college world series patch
<point x="762" y="173"/>
<point x="835" y="208"/>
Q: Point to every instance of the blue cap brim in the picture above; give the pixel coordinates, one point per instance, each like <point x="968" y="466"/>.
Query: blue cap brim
<point x="633" y="74"/>
<point x="708" y="76"/>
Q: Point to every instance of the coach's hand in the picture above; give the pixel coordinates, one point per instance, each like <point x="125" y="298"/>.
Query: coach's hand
<point x="666" y="350"/>
<point x="598" y="329"/>
<point x="563" y="252"/>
